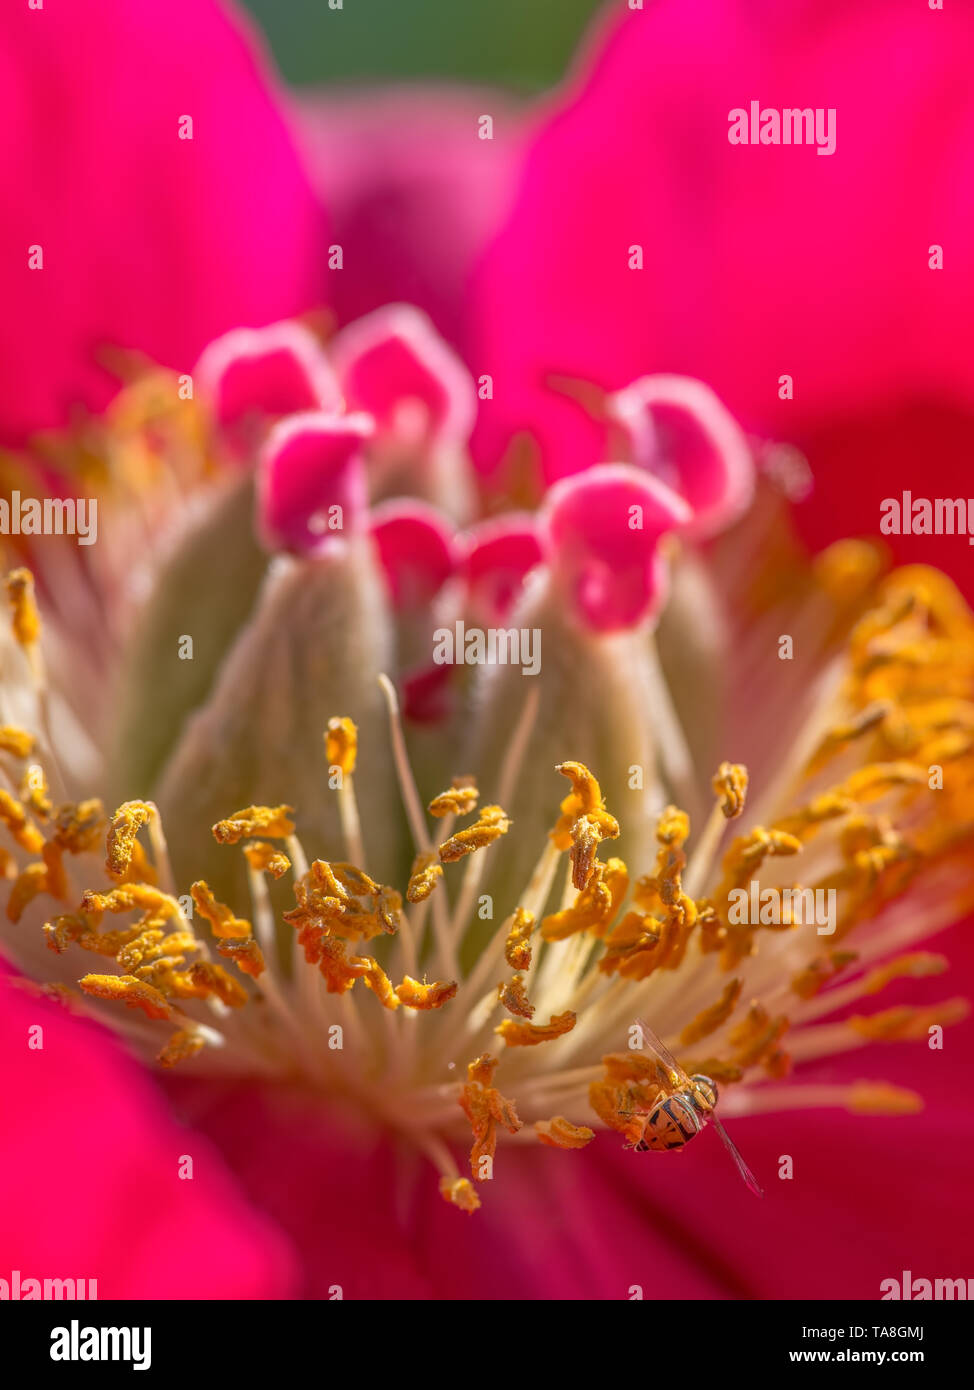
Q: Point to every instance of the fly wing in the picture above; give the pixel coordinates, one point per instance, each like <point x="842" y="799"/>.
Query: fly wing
<point x="742" y="1167"/>
<point x="655" y="1043"/>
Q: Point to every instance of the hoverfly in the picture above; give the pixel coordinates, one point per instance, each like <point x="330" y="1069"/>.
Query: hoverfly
<point x="682" y="1114"/>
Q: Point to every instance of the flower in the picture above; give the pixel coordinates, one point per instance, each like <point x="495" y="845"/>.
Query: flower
<point x="440" y="933"/>
<point x="167" y="208"/>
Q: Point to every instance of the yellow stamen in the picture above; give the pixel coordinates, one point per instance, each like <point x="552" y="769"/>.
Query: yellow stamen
<point x="266" y="858"/>
<point x="459" y="800"/>
<point x="221" y="918"/>
<point x="530" y="1034"/>
<point x="560" y="1133"/>
<point x="489" y="826"/>
<point x="341" y="745"/>
<point x="272" y="821"/>
<point x="25" y="619"/>
<point x="17" y="742"/>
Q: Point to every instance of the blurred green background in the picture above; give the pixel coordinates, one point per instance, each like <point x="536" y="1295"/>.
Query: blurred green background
<point x="524" y="45"/>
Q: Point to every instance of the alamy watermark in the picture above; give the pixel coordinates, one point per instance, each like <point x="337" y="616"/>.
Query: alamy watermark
<point x="789" y="125"/>
<point x="77" y="1343"/>
<point x="50" y="516"/>
<point x="907" y="515"/>
<point x="766" y="907"/>
<point x="493" y="646"/>
<point x="913" y="1290"/>
<point x="19" y="1288"/>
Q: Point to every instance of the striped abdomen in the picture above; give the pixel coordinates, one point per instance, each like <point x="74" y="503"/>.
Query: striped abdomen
<point x="670" y="1124"/>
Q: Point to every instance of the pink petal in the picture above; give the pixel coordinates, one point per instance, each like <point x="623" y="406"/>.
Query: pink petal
<point x="680" y="431"/>
<point x="393" y="364"/>
<point x="499" y="555"/>
<point x="416" y="549"/>
<point x="265" y="373"/>
<point x="412" y="193"/>
<point x="603" y="528"/>
<point x="758" y="261"/>
<point x="310" y="464"/>
<point x="89" y="1159"/>
<point x="151" y="242"/>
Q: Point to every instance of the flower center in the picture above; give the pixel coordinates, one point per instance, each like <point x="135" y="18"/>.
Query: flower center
<point x="735" y="946"/>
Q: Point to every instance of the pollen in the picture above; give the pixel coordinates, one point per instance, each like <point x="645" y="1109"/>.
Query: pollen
<point x="223" y="922"/>
<point x="17" y="742"/>
<point x="266" y="858"/>
<point x="559" y="1133"/>
<point x="486" y="1109"/>
<point x="126" y="823"/>
<point x="25" y="619"/>
<point x="489" y="826"/>
<point x="341" y="745"/>
<point x="458" y="800"/>
<point x="272" y="821"/>
<point x="517" y="1034"/>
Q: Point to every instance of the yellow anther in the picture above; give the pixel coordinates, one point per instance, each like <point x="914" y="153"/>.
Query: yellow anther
<point x="29" y="883"/>
<point x="272" y="821"/>
<point x="223" y="920"/>
<point x="514" y="998"/>
<point x="586" y="793"/>
<point x="14" y="816"/>
<point x="376" y="979"/>
<point x="915" y="965"/>
<point x="17" y="742"/>
<point x="25" y="620"/>
<point x="78" y="826"/>
<point x="135" y="994"/>
<point x="880" y="1098"/>
<point x="246" y="956"/>
<point x="425" y="875"/>
<point x="730" y="787"/>
<point x="517" y="947"/>
<point x="129" y="896"/>
<point x="126" y="823"/>
<point x="341" y="745"/>
<point x="908" y="1023"/>
<point x="874" y="781"/>
<point x="213" y="979"/>
<point x="866" y="721"/>
<point x="459" y="800"/>
<point x="584" y="821"/>
<point x="485" y="1108"/>
<point x="184" y="1043"/>
<point x="848" y="569"/>
<point x="460" y="1192"/>
<point x="709" y="1020"/>
<point x="57" y="882"/>
<point x="266" y="858"/>
<point x="560" y="1133"/>
<point x="416" y="995"/>
<point x="489" y="826"/>
<point x="530" y="1034"/>
<point x="755" y="1040"/>
<point x="595" y="906"/>
<point x="818" y="973"/>
<point x="588" y="832"/>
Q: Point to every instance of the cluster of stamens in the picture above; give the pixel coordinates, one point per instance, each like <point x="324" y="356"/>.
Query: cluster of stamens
<point x="554" y="990"/>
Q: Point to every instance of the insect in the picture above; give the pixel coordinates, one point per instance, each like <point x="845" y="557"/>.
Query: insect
<point x="679" y="1116"/>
